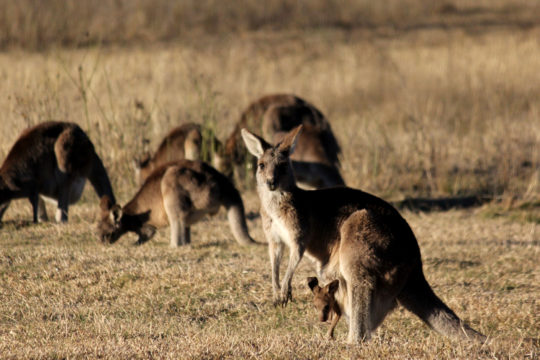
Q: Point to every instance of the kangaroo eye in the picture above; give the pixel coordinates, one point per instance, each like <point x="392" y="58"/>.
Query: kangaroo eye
<point x="261" y="166"/>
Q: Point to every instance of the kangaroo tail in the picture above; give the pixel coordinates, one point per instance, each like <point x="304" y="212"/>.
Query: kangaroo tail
<point x="419" y="298"/>
<point x="236" y="215"/>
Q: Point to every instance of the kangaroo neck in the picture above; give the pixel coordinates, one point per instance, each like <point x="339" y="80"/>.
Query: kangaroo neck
<point x="133" y="222"/>
<point x="274" y="201"/>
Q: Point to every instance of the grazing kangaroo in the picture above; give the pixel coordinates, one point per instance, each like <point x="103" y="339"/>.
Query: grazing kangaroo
<point x="188" y="141"/>
<point x="182" y="142"/>
<point x="315" y="166"/>
<point x="52" y="160"/>
<point x="354" y="237"/>
<point x="325" y="302"/>
<point x="178" y="194"/>
<point x="316" y="163"/>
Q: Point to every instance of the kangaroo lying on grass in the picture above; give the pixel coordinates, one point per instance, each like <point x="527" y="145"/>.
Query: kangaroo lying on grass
<point x="52" y="160"/>
<point x="183" y="142"/>
<point x="178" y="194"/>
<point x="352" y="236"/>
<point x="325" y="302"/>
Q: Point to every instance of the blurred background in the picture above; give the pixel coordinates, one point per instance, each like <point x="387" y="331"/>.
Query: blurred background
<point x="428" y="98"/>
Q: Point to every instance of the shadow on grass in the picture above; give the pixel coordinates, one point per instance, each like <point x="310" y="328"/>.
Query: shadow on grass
<point x="440" y="204"/>
<point x="462" y="264"/>
<point x="16" y="224"/>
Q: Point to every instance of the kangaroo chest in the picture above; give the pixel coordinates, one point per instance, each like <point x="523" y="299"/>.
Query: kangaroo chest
<point x="283" y="220"/>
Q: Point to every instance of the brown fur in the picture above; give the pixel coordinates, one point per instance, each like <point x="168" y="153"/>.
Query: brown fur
<point x="177" y="194"/>
<point x="182" y="142"/>
<point x="316" y="164"/>
<point x="352" y="236"/>
<point x="325" y="302"/>
<point x="52" y="159"/>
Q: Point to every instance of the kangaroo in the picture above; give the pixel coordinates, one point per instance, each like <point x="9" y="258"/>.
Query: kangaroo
<point x="178" y="194"/>
<point x="325" y="302"/>
<point x="316" y="164"/>
<point x="182" y="142"/>
<point x="51" y="160"/>
<point x="352" y="236"/>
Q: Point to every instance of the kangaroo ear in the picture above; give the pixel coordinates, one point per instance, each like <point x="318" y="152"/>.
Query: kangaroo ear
<point x="255" y="144"/>
<point x="288" y="143"/>
<point x="313" y="283"/>
<point x="116" y="213"/>
<point x="332" y="287"/>
<point x="143" y="160"/>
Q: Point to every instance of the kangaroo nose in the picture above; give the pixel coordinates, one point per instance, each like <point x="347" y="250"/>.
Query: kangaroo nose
<point x="271" y="184"/>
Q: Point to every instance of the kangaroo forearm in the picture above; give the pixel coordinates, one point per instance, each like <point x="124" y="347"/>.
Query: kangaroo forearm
<point x="333" y="324"/>
<point x="100" y="180"/>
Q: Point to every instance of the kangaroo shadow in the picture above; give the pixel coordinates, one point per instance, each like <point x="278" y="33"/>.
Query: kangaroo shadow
<point x="16" y="224"/>
<point x="440" y="204"/>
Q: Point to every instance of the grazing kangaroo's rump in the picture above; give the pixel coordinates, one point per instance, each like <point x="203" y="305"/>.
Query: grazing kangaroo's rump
<point x="189" y="141"/>
<point x="51" y="160"/>
<point x="315" y="164"/>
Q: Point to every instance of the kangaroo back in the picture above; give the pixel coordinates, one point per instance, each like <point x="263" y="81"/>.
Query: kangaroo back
<point x="315" y="161"/>
<point x="275" y="113"/>
<point x="316" y="142"/>
<point x="52" y="159"/>
<point x="182" y="142"/>
<point x="74" y="151"/>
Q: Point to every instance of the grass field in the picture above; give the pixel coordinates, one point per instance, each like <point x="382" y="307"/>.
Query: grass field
<point x="427" y="98"/>
<point x="63" y="294"/>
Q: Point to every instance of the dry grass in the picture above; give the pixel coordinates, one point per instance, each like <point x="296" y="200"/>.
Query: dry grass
<point x="445" y="106"/>
<point x="63" y="294"/>
<point x="431" y="113"/>
<point x="40" y="24"/>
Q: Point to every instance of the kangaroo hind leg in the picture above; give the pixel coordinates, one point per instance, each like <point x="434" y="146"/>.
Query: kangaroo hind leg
<point x="359" y="295"/>
<point x="178" y="206"/>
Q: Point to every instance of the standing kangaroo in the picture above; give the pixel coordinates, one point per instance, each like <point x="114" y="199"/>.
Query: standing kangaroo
<point x="354" y="237"/>
<point x="52" y="159"/>
<point x="316" y="162"/>
<point x="178" y="194"/>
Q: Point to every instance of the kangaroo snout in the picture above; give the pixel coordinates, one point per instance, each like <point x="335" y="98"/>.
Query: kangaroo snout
<point x="324" y="314"/>
<point x="272" y="184"/>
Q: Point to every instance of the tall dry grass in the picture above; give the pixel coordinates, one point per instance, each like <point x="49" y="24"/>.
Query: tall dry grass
<point x="433" y="113"/>
<point x="40" y="24"/>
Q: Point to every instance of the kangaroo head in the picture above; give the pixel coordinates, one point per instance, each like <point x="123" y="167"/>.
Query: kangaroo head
<point x="274" y="171"/>
<point x="109" y="226"/>
<point x="324" y="299"/>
